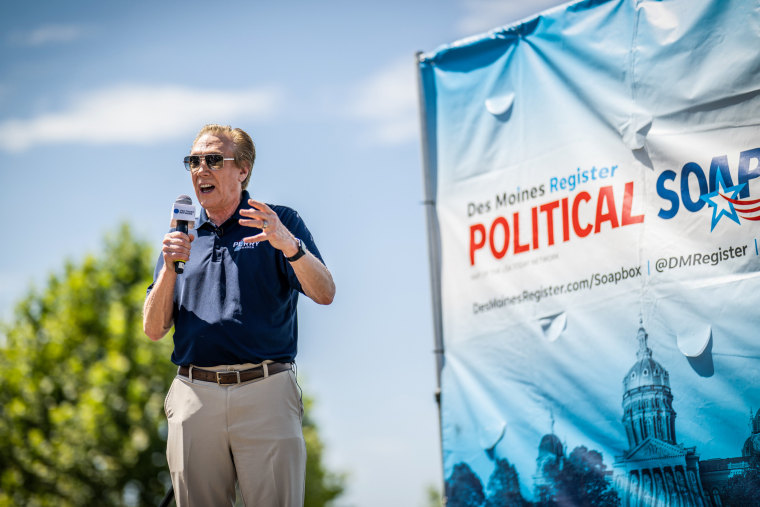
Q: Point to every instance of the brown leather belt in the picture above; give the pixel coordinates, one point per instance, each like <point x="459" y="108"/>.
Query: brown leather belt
<point x="235" y="376"/>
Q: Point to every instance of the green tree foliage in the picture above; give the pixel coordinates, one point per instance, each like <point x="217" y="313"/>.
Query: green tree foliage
<point x="322" y="485"/>
<point x="81" y="403"/>
<point x="433" y="496"/>
<point x="82" y="389"/>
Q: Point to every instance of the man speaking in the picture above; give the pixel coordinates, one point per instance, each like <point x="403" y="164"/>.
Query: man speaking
<point x="234" y="409"/>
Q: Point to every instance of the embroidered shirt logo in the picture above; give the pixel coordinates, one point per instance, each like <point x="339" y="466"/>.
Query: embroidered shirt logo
<point x="242" y="245"/>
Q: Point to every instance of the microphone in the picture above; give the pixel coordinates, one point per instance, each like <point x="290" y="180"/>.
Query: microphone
<point x="183" y="217"/>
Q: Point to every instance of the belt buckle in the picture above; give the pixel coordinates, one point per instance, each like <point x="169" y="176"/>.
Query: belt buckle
<point x="219" y="378"/>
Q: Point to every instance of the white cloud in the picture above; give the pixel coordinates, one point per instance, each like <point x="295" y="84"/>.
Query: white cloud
<point x="484" y="15"/>
<point x="133" y="114"/>
<point x="48" y="34"/>
<point x="388" y="99"/>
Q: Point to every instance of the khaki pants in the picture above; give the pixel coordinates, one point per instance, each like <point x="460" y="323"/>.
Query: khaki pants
<point x="250" y="431"/>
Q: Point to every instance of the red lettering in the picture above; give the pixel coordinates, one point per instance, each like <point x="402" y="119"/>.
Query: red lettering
<point x="499" y="253"/>
<point x="605" y="196"/>
<point x="565" y="221"/>
<point x="518" y="247"/>
<point x="581" y="232"/>
<point x="476" y="244"/>
<point x="627" y="218"/>
<point x="549" y="208"/>
<point x="499" y="235"/>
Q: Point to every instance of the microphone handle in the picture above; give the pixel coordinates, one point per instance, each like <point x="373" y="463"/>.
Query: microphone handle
<point x="179" y="266"/>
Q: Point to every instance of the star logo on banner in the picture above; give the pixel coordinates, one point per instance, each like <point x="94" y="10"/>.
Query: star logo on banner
<point x="720" y="202"/>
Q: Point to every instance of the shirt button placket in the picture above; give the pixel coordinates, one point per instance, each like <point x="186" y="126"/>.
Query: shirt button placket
<point x="217" y="244"/>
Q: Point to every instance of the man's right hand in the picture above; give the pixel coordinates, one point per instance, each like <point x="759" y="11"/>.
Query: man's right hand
<point x="157" y="311"/>
<point x="176" y="247"/>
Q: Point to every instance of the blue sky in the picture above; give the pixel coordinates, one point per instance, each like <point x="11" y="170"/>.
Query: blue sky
<point x="99" y="102"/>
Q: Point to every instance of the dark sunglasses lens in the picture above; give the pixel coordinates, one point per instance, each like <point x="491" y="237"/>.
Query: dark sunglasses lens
<point x="215" y="161"/>
<point x="192" y="162"/>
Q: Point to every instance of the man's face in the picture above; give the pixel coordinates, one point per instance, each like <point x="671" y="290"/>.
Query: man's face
<point x="217" y="190"/>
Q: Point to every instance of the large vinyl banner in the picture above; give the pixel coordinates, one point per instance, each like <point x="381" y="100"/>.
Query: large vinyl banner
<point x="594" y="174"/>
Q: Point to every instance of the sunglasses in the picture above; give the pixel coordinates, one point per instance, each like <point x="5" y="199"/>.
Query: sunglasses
<point x="214" y="161"/>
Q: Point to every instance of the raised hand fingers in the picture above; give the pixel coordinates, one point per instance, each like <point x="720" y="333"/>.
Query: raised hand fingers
<point x="272" y="230"/>
<point x="260" y="216"/>
<point x="260" y="223"/>
<point x="261" y="206"/>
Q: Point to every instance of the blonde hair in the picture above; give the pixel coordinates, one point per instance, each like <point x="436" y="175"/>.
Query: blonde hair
<point x="245" y="150"/>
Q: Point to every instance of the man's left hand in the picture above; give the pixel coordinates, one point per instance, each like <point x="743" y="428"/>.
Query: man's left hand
<point x="262" y="217"/>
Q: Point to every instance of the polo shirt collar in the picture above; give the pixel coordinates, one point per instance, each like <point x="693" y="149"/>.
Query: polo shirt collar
<point x="236" y="216"/>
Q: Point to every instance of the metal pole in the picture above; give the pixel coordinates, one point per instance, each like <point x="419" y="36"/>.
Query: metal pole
<point x="168" y="498"/>
<point x="429" y="165"/>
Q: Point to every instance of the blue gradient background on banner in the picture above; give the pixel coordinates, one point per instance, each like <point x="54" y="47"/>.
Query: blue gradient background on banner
<point x="647" y="87"/>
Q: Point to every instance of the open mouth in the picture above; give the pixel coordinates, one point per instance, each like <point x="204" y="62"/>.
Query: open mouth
<point x="206" y="188"/>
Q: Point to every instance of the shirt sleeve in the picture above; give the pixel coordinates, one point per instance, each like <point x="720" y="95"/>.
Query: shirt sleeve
<point x="159" y="265"/>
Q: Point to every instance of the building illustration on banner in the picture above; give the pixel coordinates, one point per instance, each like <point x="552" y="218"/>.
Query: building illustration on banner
<point x="578" y="164"/>
<point x="655" y="470"/>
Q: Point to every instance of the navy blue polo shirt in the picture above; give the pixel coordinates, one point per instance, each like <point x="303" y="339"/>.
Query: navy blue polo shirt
<point x="236" y="302"/>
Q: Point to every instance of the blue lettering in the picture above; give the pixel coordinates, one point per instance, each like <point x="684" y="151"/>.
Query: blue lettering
<point x="745" y="174"/>
<point x="719" y="162"/>
<point x="689" y="169"/>
<point x="749" y="168"/>
<point x="667" y="194"/>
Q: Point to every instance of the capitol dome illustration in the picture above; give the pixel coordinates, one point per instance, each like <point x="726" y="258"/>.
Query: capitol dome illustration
<point x="655" y="469"/>
<point x="647" y="400"/>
